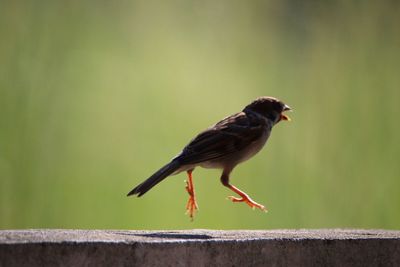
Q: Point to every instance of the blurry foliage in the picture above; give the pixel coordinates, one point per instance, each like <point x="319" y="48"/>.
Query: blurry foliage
<point x="97" y="95"/>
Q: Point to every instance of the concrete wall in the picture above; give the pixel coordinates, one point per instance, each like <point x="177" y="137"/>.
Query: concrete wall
<point x="199" y="248"/>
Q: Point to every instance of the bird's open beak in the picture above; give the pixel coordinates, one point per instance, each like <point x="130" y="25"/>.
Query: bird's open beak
<point x="283" y="116"/>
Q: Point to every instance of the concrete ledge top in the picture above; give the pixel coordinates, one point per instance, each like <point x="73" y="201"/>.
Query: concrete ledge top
<point x="324" y="247"/>
<point x="179" y="236"/>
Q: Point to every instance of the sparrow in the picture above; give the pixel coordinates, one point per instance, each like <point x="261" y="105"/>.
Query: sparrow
<point x="224" y="145"/>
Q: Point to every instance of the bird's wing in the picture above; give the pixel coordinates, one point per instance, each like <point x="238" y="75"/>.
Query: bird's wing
<point x="230" y="135"/>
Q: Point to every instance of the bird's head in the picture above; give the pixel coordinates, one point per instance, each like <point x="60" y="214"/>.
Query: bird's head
<point x="270" y="108"/>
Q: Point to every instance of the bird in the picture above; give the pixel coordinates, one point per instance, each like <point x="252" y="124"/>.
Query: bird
<point x="224" y="145"/>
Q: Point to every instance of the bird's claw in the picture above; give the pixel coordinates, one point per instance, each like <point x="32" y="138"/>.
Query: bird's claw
<point x="251" y="203"/>
<point x="191" y="206"/>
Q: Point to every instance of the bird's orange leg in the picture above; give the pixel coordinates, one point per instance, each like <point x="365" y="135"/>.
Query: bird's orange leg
<point x="245" y="198"/>
<point x="191" y="205"/>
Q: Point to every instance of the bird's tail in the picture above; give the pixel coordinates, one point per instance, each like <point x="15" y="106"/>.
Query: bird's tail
<point x="157" y="177"/>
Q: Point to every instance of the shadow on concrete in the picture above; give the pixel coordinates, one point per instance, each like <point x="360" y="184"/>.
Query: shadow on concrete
<point x="169" y="235"/>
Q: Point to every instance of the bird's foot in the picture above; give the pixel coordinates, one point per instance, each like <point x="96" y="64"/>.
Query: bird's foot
<point x="251" y="203"/>
<point x="191" y="206"/>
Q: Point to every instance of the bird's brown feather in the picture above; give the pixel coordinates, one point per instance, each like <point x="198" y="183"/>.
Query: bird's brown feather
<point x="224" y="138"/>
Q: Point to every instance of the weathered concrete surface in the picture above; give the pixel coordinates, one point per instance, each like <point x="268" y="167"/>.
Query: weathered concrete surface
<point x="199" y="248"/>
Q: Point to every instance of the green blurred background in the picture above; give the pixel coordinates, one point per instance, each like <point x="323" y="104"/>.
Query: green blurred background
<point x="97" y="95"/>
